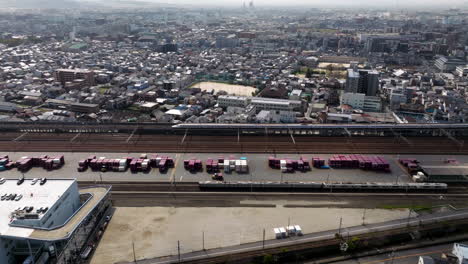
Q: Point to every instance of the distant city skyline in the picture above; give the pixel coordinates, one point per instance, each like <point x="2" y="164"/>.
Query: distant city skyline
<point x="391" y="4"/>
<point x="337" y="3"/>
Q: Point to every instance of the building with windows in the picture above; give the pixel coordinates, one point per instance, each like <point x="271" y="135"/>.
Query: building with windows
<point x="232" y="100"/>
<point x="48" y="221"/>
<point x="447" y="64"/>
<point x="260" y="103"/>
<point x="362" y="102"/>
<point x="230" y="41"/>
<point x="70" y="75"/>
<point x="462" y="70"/>
<point x="362" y="81"/>
<point x="265" y="116"/>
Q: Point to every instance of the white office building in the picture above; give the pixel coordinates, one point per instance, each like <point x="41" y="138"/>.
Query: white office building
<point x="232" y="100"/>
<point x="37" y="221"/>
<point x="260" y="103"/>
<point x="266" y="116"/>
<point x="362" y="102"/>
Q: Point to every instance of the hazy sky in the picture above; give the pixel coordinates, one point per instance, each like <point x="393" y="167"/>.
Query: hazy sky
<point x="355" y="3"/>
<point x="400" y="4"/>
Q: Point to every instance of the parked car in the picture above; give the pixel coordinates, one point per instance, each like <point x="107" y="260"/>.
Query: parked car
<point x="34" y="181"/>
<point x="20" y="181"/>
<point x="2" y="180"/>
<point x="18" y="197"/>
<point x="43" y="181"/>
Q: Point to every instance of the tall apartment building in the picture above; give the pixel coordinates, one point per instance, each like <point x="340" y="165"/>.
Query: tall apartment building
<point x="69" y="75"/>
<point x="362" y="81"/>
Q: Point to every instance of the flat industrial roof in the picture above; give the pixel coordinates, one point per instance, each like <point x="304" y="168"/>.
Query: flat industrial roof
<point x="33" y="195"/>
<point x="445" y="170"/>
<point x="98" y="193"/>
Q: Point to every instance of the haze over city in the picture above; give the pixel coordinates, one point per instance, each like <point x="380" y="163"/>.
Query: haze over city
<point x="237" y="3"/>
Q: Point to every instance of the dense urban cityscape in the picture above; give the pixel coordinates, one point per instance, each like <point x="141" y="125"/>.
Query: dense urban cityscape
<point x="190" y="65"/>
<point x="136" y="131"/>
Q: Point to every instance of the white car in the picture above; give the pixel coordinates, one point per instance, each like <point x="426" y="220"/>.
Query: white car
<point x="18" y="197"/>
<point x="2" y="180"/>
<point x="34" y="181"/>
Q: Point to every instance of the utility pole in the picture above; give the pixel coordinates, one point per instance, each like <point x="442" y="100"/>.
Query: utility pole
<point x="263" y="246"/>
<point x="339" y="229"/>
<point x="134" y="255"/>
<point x="178" y="249"/>
<point x="30" y="251"/>
<point x="203" y="239"/>
<point x="364" y="217"/>
<point x="409" y="215"/>
<point x="251" y="186"/>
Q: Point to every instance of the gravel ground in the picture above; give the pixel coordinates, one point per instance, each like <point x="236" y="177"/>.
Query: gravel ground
<point x="258" y="169"/>
<point x="156" y="230"/>
<point x="231" y="89"/>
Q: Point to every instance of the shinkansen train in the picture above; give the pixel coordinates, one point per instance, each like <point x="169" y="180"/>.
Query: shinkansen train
<point x="321" y="126"/>
<point x="322" y="187"/>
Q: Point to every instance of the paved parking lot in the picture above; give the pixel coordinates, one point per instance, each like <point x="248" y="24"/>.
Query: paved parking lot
<point x="258" y="169"/>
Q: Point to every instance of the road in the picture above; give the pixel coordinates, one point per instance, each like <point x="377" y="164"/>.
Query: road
<point x="352" y="231"/>
<point x="403" y="257"/>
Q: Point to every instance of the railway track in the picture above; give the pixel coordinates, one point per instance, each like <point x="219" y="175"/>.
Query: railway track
<point x="153" y="189"/>
<point x="138" y="187"/>
<point x="118" y="142"/>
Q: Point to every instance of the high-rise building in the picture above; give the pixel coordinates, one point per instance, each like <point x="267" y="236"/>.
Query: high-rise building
<point x="352" y="81"/>
<point x="362" y="81"/>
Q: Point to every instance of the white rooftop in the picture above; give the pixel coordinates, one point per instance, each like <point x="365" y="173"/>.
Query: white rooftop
<point x="33" y="195"/>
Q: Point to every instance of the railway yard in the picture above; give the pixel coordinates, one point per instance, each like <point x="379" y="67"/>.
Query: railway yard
<point x="153" y="201"/>
<point x="258" y="169"/>
<point x="128" y="142"/>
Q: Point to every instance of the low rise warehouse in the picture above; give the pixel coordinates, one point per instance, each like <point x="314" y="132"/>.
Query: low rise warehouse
<point x="38" y="219"/>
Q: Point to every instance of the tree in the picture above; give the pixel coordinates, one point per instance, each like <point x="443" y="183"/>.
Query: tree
<point x="268" y="259"/>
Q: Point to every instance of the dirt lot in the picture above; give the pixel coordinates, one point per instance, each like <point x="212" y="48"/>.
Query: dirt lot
<point x="231" y="89"/>
<point x="155" y="230"/>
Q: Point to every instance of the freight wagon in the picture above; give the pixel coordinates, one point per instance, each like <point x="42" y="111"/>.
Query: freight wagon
<point x="143" y="163"/>
<point x="44" y="161"/>
<point x="322" y="187"/>
<point x="289" y="165"/>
